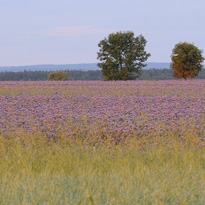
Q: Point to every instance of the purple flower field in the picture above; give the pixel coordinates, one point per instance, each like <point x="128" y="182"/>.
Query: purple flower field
<point x="104" y="111"/>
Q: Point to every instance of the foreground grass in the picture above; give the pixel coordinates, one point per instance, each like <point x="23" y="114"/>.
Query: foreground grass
<point x="57" y="174"/>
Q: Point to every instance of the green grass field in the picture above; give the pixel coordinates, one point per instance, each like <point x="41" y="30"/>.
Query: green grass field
<point x="58" y="174"/>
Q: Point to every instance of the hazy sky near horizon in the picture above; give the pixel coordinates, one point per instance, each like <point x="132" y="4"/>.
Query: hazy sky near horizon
<point x="64" y="31"/>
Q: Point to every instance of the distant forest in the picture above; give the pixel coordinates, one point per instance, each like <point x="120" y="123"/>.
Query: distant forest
<point x="152" y="74"/>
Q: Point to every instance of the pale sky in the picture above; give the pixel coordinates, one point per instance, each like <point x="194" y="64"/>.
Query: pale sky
<point x="67" y="32"/>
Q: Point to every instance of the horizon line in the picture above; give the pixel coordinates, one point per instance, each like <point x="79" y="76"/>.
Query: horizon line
<point x="61" y="64"/>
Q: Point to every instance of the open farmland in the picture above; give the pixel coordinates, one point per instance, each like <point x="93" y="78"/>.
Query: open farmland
<point x="102" y="142"/>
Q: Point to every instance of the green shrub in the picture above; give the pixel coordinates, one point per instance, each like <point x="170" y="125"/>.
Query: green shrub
<point x="58" y="75"/>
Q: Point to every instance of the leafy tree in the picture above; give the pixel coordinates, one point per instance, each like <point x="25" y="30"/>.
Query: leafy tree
<point x="122" y="56"/>
<point x="58" y="75"/>
<point x="187" y="60"/>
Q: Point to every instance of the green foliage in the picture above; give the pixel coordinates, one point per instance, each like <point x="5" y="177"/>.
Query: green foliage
<point x="122" y="56"/>
<point x="58" y="75"/>
<point x="187" y="60"/>
<point x="157" y="74"/>
<point x="43" y="75"/>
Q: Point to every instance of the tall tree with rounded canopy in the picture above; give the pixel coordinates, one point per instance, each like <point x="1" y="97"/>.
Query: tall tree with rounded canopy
<point x="187" y="60"/>
<point x="122" y="56"/>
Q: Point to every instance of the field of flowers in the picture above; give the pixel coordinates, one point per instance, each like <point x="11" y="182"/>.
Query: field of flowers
<point x="102" y="142"/>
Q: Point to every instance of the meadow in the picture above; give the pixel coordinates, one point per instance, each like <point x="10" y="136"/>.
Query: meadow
<point x="125" y="142"/>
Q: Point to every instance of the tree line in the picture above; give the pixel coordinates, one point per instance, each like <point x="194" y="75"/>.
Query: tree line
<point x="43" y="75"/>
<point x="152" y="74"/>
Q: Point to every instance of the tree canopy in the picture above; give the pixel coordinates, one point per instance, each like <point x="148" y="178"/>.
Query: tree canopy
<point x="57" y="76"/>
<point x="122" y="56"/>
<point x="187" y="60"/>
